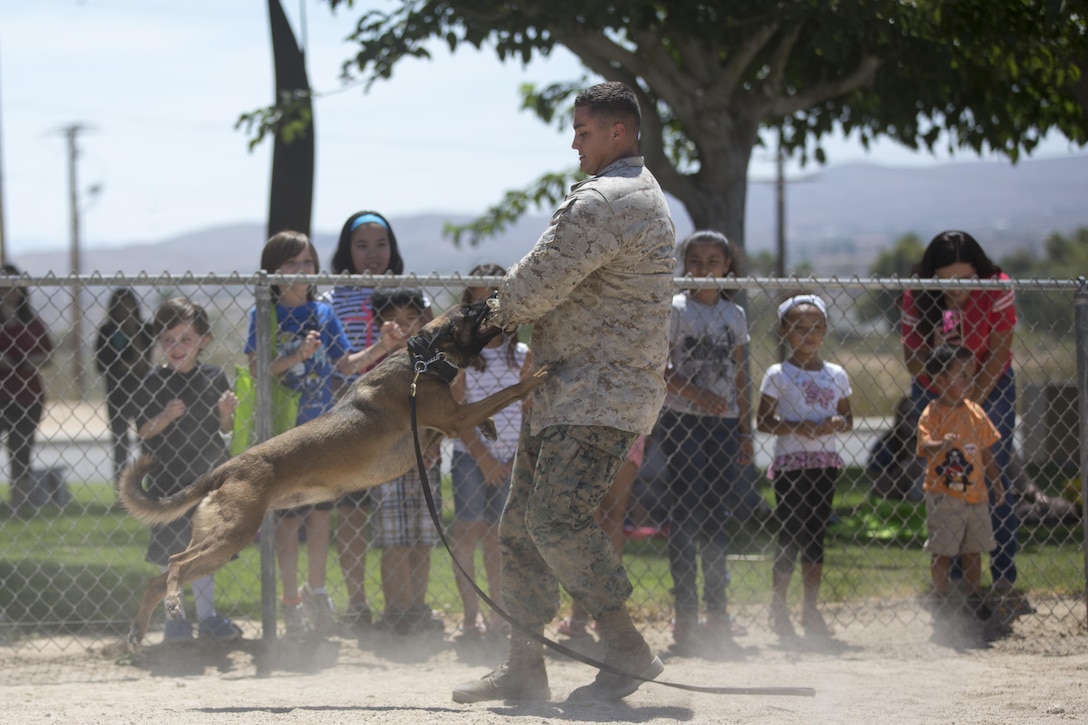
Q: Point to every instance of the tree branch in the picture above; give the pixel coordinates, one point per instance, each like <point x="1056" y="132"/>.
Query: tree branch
<point x="779" y="59"/>
<point x="862" y="75"/>
<point x="740" y="61"/>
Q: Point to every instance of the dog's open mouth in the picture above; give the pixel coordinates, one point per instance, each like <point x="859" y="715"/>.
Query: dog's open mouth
<point x="484" y="333"/>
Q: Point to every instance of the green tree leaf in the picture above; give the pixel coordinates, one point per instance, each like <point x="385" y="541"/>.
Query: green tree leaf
<point x="984" y="75"/>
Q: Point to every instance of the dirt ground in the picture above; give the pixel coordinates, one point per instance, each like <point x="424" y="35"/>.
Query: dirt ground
<point x="886" y="667"/>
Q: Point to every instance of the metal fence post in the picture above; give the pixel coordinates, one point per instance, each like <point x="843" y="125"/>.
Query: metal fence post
<point x="1080" y="303"/>
<point x="263" y="318"/>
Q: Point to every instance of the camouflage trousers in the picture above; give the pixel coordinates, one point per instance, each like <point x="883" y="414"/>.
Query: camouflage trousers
<point x="548" y="534"/>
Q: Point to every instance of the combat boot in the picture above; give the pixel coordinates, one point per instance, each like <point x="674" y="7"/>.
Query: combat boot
<point x="522" y="676"/>
<point x="625" y="650"/>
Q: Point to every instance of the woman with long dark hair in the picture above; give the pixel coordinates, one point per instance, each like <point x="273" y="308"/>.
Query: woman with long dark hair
<point x="982" y="321"/>
<point x="25" y="346"/>
<point x="122" y="354"/>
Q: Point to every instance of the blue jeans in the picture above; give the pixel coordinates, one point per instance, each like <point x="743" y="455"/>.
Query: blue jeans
<point x="1000" y="406"/>
<point x="702" y="452"/>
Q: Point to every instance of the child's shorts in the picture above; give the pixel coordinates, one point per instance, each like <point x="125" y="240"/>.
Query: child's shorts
<point x="957" y="527"/>
<point x="400" y="511"/>
<point x="473" y="500"/>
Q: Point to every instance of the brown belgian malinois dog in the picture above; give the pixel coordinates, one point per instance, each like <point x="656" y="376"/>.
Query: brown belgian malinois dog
<point x="363" y="441"/>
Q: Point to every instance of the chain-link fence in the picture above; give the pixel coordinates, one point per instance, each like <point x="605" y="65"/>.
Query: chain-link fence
<point x="72" y="561"/>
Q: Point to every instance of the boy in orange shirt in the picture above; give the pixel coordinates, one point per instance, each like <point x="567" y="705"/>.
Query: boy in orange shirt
<point x="955" y="437"/>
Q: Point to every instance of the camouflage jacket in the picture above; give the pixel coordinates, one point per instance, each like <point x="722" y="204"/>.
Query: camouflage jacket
<point x="597" y="288"/>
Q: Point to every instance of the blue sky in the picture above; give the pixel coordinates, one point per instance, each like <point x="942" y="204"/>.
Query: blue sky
<point x="158" y="87"/>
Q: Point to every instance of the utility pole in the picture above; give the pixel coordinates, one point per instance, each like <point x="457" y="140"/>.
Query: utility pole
<point x="781" y="183"/>
<point x="780" y="211"/>
<point x="76" y="310"/>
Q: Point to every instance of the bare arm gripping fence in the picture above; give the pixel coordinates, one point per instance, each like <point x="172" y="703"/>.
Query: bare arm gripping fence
<point x="422" y="368"/>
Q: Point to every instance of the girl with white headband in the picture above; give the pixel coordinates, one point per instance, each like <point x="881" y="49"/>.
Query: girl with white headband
<point x="803" y="402"/>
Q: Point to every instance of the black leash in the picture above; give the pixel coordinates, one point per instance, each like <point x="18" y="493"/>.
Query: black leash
<point x="421" y="366"/>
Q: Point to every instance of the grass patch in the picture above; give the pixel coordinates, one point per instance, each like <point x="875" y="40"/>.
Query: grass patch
<point x="82" y="568"/>
<point x="891" y="522"/>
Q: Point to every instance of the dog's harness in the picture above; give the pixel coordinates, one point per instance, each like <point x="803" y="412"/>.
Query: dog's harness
<point x="427" y="360"/>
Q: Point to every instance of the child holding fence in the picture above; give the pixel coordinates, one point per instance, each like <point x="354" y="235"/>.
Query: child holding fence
<point x="403" y="529"/>
<point x="185" y="412"/>
<point x="957" y="440"/>
<point x="309" y="344"/>
<point x="367" y="244"/>
<point x="803" y="402"/>
<point x="707" y="434"/>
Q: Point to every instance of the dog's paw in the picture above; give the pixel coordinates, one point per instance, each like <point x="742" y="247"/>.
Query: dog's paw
<point x="487" y="428"/>
<point x="132" y="644"/>
<point x="117" y="649"/>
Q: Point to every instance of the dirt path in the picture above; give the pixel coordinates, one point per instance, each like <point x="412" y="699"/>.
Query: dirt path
<point x="887" y="671"/>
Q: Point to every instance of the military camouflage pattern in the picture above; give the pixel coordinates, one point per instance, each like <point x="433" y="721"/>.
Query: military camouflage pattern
<point x="597" y="288"/>
<point x="548" y="534"/>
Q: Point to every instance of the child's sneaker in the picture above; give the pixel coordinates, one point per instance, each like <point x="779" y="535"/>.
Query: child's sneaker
<point x="683" y="630"/>
<point x="423" y="619"/>
<point x="780" y="621"/>
<point x="975" y="606"/>
<point x="935" y="602"/>
<point x="358" y="617"/>
<point x="814" y="623"/>
<point x="219" y="628"/>
<point x="294" y="623"/>
<point x="318" y="609"/>
<point x="723" y="625"/>
<point x="395" y="621"/>
<point x="1011" y="605"/>
<point x="177" y="630"/>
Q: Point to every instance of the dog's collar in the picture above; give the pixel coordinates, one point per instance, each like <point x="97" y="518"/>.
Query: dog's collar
<point x="425" y="359"/>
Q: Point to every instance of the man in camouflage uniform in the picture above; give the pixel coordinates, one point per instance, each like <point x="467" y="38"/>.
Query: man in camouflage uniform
<point x="597" y="288"/>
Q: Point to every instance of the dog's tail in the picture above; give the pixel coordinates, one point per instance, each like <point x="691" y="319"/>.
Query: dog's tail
<point x="153" y="510"/>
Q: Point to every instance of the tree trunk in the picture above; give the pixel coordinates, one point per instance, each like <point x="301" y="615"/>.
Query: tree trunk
<point x="291" y="196"/>
<point x="720" y="208"/>
<point x="716" y="196"/>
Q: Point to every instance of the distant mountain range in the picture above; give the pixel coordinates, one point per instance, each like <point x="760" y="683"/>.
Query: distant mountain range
<point x="841" y="218"/>
<point x="838" y="220"/>
<point x="237" y="248"/>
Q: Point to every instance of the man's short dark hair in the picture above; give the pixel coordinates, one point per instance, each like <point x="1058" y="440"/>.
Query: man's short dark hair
<point x="943" y="356"/>
<point x="613" y="101"/>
